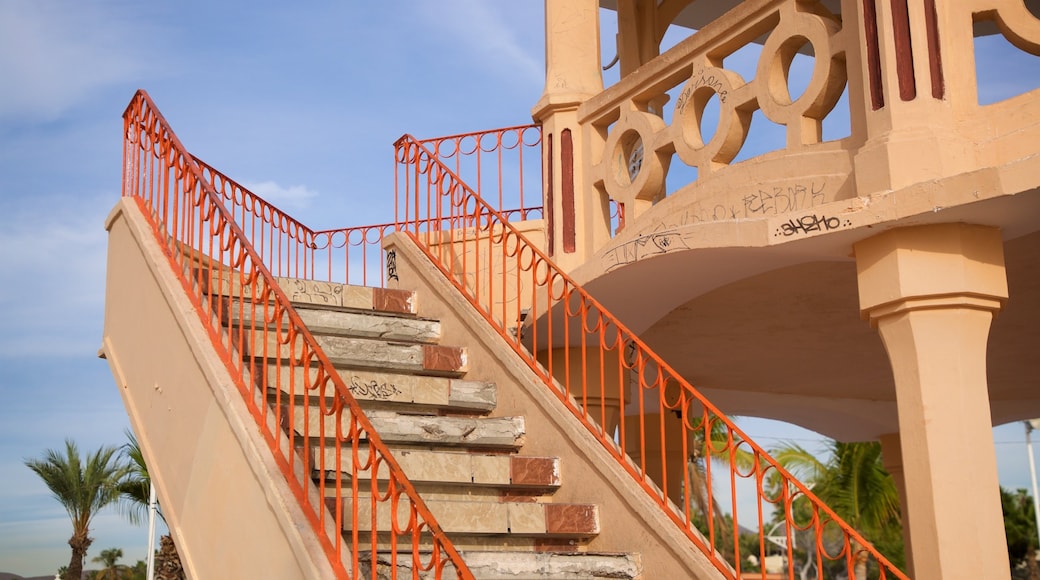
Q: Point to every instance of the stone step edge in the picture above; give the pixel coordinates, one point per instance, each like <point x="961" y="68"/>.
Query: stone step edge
<point x="463" y="432"/>
<point x="315" y="292"/>
<point x="488" y="518"/>
<point x="473" y="469"/>
<point x="456" y="395"/>
<point x="535" y="564"/>
<point x="348" y="323"/>
<point x="371" y="355"/>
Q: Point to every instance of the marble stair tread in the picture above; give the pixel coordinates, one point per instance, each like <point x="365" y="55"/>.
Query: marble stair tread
<point x="481" y="517"/>
<point x="362" y="353"/>
<point x="340" y="322"/>
<point x="394" y="391"/>
<point x="449" y="469"/>
<point x="225" y="282"/>
<point x="398" y="428"/>
<point x="510" y="565"/>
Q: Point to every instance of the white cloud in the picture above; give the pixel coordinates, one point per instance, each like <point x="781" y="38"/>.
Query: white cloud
<point x="291" y="197"/>
<point x="52" y="276"/>
<point x="53" y="54"/>
<point x="490" y="35"/>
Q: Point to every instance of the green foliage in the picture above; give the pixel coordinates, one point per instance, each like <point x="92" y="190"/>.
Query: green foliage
<point x="1020" y="527"/>
<point x="111" y="570"/>
<point x="83" y="486"/>
<point x="139" y="571"/>
<point x="134" y="489"/>
<point x="854" y="484"/>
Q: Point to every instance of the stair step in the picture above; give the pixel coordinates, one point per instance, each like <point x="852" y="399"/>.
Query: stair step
<point x="428" y="467"/>
<point x="336" y="321"/>
<point x="375" y="325"/>
<point x="398" y="428"/>
<point x="221" y="281"/>
<point x="385" y="355"/>
<point x="504" y="565"/>
<point x="397" y="391"/>
<point x="364" y="353"/>
<point x="483" y="517"/>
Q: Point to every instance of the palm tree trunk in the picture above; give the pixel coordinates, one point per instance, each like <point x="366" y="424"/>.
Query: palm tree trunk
<point x="860" y="556"/>
<point x="79" y="542"/>
<point x="1034" y="570"/>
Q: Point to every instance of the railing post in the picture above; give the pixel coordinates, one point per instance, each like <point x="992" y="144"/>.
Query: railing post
<point x="577" y="216"/>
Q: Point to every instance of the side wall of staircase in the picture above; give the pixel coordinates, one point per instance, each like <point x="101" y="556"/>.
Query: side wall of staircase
<point x="227" y="503"/>
<point x="629" y="520"/>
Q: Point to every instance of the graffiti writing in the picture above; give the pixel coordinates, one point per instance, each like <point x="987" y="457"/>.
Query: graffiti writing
<point x="809" y="224"/>
<point x="373" y="389"/>
<point x="710" y="80"/>
<point x="660" y="242"/>
<point x="773" y="200"/>
<point x="391" y="265"/>
<point x="778" y="200"/>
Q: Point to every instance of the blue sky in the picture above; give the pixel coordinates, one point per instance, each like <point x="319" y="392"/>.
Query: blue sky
<point x="302" y="100"/>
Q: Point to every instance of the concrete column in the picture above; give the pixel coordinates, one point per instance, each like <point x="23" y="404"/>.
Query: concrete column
<point x="932" y="292"/>
<point x="907" y="60"/>
<point x="577" y="217"/>
<point x="892" y="460"/>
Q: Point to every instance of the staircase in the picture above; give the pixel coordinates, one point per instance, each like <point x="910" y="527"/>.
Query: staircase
<point x="339" y="437"/>
<point x="496" y="503"/>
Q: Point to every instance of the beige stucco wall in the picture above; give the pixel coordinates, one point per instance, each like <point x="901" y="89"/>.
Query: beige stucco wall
<point x="630" y="521"/>
<point x="227" y="504"/>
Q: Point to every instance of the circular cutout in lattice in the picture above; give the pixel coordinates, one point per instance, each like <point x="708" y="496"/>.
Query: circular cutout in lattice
<point x="628" y="158"/>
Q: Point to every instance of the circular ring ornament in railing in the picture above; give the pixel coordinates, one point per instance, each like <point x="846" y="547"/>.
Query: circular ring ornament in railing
<point x="733" y="125"/>
<point x="630" y="179"/>
<point x="510" y="139"/>
<point x="828" y="77"/>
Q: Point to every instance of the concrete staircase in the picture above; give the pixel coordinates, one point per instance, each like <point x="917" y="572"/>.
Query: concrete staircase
<point x="495" y="503"/>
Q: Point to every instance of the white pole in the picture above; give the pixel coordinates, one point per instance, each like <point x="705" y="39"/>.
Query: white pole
<point x="152" y="505"/>
<point x="1030" y="425"/>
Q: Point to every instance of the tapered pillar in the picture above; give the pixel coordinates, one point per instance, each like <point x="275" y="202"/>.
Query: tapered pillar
<point x="932" y="292"/>
<point x="577" y="218"/>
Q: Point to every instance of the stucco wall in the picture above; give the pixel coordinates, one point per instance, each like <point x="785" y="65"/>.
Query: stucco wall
<point x="227" y="504"/>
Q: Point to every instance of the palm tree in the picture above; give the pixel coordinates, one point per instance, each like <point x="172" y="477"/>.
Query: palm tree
<point x="853" y="483"/>
<point x="110" y="570"/>
<point x="134" y="489"/>
<point x="82" y="487"/>
<point x="134" y="493"/>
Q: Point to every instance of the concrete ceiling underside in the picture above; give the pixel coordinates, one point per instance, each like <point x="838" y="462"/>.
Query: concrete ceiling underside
<point x="790" y="344"/>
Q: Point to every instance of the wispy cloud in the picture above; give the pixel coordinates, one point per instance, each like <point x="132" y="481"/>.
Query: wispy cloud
<point x="488" y="38"/>
<point x="52" y="275"/>
<point x="285" y="197"/>
<point x="53" y="54"/>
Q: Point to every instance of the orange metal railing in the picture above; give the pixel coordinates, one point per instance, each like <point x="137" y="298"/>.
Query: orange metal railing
<point x="501" y="165"/>
<point x="223" y="243"/>
<point x="593" y="363"/>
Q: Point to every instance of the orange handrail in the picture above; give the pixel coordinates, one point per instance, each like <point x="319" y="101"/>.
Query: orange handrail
<point x="275" y="361"/>
<point x="505" y="178"/>
<point x="575" y="346"/>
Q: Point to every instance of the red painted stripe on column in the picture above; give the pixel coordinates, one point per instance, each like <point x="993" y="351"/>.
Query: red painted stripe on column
<point x="567" y="202"/>
<point x="931" y="20"/>
<point x="870" y="29"/>
<point x="904" y="50"/>
<point x="550" y="207"/>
